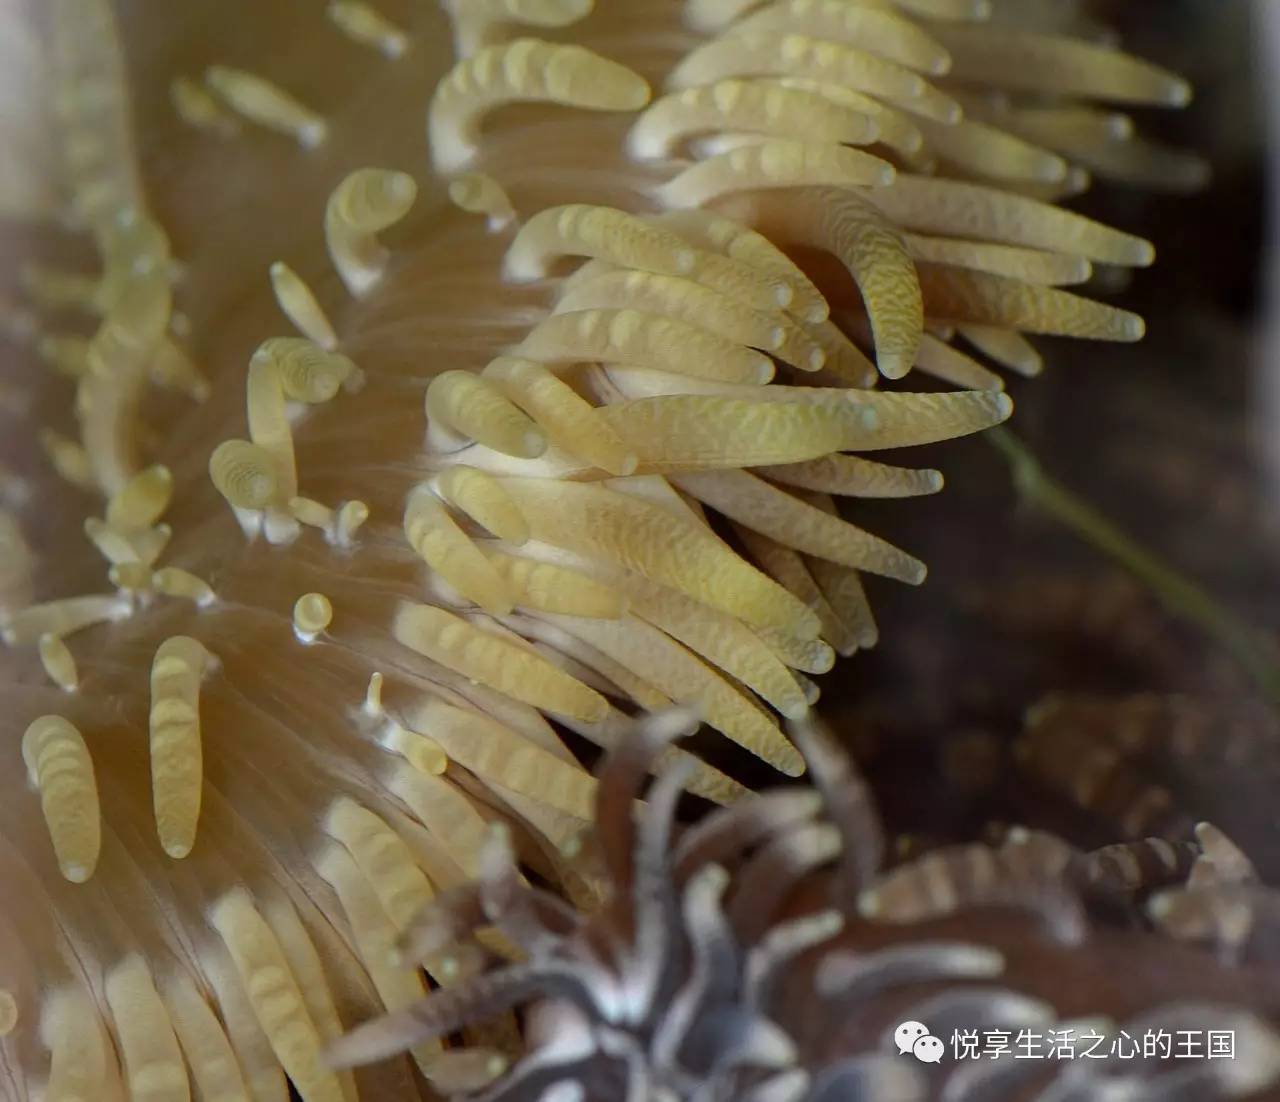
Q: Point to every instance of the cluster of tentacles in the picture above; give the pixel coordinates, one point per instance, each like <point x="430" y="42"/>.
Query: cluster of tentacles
<point x="698" y="977"/>
<point x="239" y="763"/>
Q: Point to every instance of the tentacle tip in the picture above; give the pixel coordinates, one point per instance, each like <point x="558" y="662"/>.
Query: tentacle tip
<point x="373" y="1041"/>
<point x="532" y="444"/>
<point x="76" y="872"/>
<point x="792" y="764"/>
<point x="1161" y="905"/>
<point x="796" y="711"/>
<point x="451" y="157"/>
<point x="1054" y="171"/>
<point x="313" y="134"/>
<point x="337" y="1058"/>
<point x="597" y="711"/>
<point x="402" y="186"/>
<point x="1119" y="127"/>
<point x="818" y="313"/>
<point x="869" y="903"/>
<point x="1180" y="93"/>
<point x="1004" y="407"/>
<point x="815" y="360"/>
<point x="177" y="850"/>
<point x="894" y="365"/>
<point x="934" y="481"/>
<point x="638" y="94"/>
<point x="676" y="722"/>
<point x="1134" y="328"/>
<point x="762" y="371"/>
<point x="914" y="86"/>
<point x="641" y="148"/>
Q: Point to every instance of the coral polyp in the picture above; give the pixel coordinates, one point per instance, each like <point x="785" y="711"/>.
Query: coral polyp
<point x="379" y="481"/>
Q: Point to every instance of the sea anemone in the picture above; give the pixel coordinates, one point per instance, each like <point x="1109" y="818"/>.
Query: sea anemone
<point x="277" y="730"/>
<point x="686" y="984"/>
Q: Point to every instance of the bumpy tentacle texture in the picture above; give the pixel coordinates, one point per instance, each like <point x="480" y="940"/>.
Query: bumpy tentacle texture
<point x="502" y="441"/>
<point x="718" y="972"/>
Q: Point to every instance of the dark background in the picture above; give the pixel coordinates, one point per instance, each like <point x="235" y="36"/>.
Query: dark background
<point x="1168" y="438"/>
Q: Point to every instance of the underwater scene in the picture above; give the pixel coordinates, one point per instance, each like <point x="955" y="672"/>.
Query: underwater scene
<point x="639" y="551"/>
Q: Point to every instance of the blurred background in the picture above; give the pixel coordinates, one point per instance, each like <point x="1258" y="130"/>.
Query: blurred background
<point x="1140" y="723"/>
